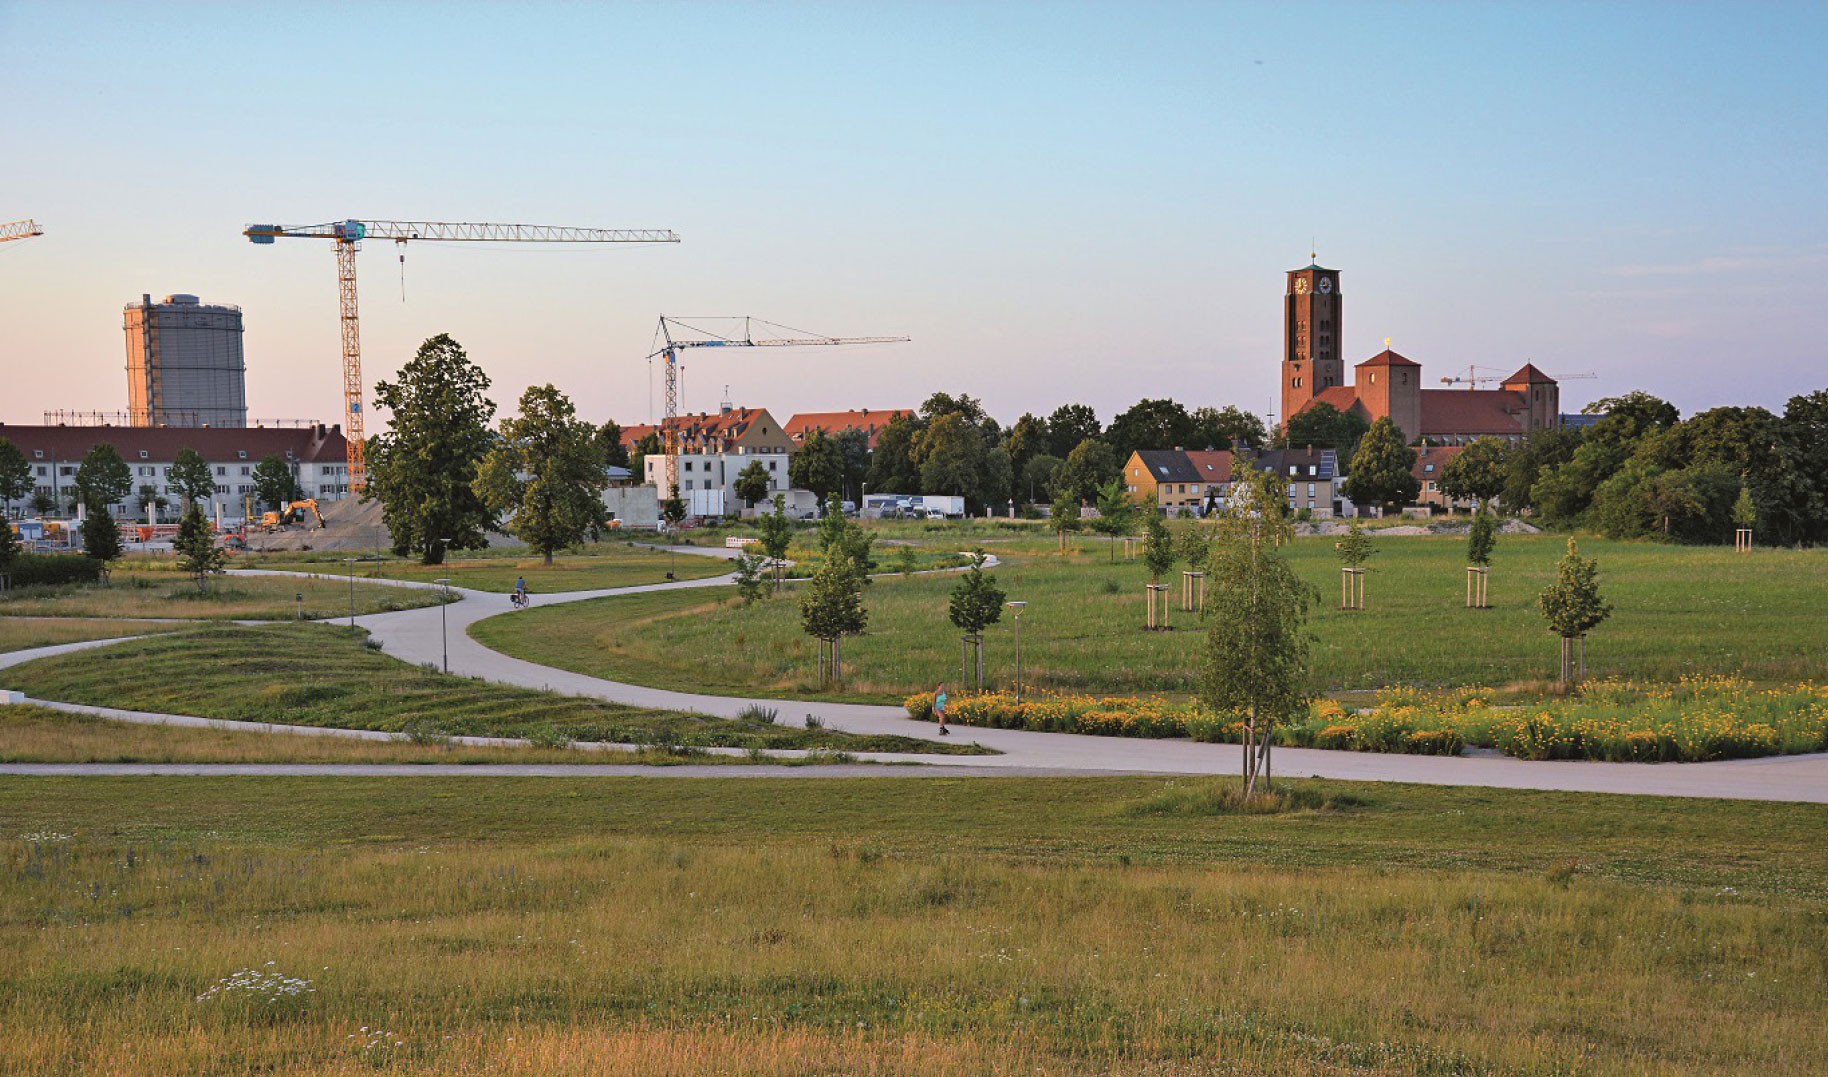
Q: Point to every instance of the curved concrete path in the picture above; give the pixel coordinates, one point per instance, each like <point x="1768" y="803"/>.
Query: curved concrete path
<point x="417" y="636"/>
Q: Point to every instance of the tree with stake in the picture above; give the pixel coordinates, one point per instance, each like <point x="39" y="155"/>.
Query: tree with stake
<point x="1158" y="557"/>
<point x="196" y="548"/>
<point x="1257" y="645"/>
<point x="103" y="477"/>
<point x="101" y="536"/>
<point x="15" y="476"/>
<point x="831" y="609"/>
<point x="547" y="469"/>
<point x="190" y="479"/>
<point x="1745" y="514"/>
<point x="1116" y="512"/>
<point x="1480" y="542"/>
<point x="777" y="535"/>
<point x="752" y="484"/>
<point x="977" y="603"/>
<point x="1354" y="550"/>
<point x="1063" y="515"/>
<point x="274" y="484"/>
<point x="1381" y="468"/>
<point x="423" y="468"/>
<point x="1573" y="607"/>
<point x="1195" y="546"/>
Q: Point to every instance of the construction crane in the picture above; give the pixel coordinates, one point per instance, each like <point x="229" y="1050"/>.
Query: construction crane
<point x="25" y="229"/>
<point x="1473" y="380"/>
<point x="348" y="236"/>
<point x="706" y="338"/>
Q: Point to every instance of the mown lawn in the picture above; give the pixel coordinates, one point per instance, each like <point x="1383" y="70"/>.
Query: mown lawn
<point x="324" y="675"/>
<point x="899" y="926"/>
<point x="597" y="567"/>
<point x="1679" y="610"/>
<point x="148" y="591"/>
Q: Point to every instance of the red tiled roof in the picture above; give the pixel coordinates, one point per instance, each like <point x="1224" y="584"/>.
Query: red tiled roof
<point x="696" y="428"/>
<point x="1388" y="358"/>
<point x="1472" y="411"/>
<point x="870" y="421"/>
<point x="1529" y="375"/>
<point x="1342" y="398"/>
<point x="306" y="444"/>
<point x="1436" y="455"/>
<point x="1211" y="466"/>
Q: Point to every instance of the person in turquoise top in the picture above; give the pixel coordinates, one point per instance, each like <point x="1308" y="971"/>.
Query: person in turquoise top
<point x="939" y="708"/>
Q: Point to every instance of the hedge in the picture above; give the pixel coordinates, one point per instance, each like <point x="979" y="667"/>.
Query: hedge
<point x="53" y="569"/>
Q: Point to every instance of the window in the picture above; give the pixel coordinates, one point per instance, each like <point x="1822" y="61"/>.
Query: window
<point x="142" y="454"/>
<point x="1297" y="383"/>
<point x="1293" y="470"/>
<point x="41" y="472"/>
<point x="1427" y="467"/>
<point x="244" y="470"/>
<point x="1373" y="377"/>
<point x="38" y="454"/>
<point x="1311" y="493"/>
<point x="1433" y="486"/>
<point x="220" y="470"/>
<point x="688" y="467"/>
<point x="771" y="465"/>
<point x="1312" y="470"/>
<point x="242" y="453"/>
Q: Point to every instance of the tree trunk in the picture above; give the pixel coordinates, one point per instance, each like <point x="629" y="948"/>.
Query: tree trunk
<point x="548" y="558"/>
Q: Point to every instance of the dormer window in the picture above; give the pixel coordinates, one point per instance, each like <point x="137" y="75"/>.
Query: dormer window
<point x="142" y="454"/>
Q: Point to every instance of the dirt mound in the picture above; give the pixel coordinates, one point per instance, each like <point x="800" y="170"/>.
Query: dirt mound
<point x="350" y="524"/>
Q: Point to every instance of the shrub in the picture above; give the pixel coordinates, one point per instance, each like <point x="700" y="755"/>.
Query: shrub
<point x="547" y="736"/>
<point x="1226" y="797"/>
<point x="54" y="569"/>
<point x="755" y="712"/>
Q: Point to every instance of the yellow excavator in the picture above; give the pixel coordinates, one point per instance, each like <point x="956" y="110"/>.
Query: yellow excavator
<point x="298" y="512"/>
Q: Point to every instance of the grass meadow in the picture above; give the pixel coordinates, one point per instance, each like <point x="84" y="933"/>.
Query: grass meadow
<point x="591" y="568"/>
<point x="149" y="589"/>
<point x="1679" y="610"/>
<point x="900" y="926"/>
<point x="23" y="634"/>
<point x="325" y="675"/>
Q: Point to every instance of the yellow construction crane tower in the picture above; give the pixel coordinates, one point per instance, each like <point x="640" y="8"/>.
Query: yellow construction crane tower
<point x="741" y="334"/>
<point x="19" y="230"/>
<point x="348" y="236"/>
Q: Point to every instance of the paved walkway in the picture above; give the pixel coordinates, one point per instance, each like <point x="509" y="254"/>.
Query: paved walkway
<point x="420" y="636"/>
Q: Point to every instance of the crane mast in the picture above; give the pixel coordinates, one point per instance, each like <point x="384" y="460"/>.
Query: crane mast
<point x="348" y="236"/>
<point x="745" y="337"/>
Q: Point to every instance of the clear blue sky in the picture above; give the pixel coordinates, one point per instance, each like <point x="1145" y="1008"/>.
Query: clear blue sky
<point x="1059" y="203"/>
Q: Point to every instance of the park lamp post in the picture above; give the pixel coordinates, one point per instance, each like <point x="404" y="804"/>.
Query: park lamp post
<point x="350" y="561"/>
<point x="443" y="638"/>
<point x="1018" y="607"/>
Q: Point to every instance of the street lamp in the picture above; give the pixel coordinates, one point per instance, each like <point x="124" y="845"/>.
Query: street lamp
<point x="1018" y="607"/>
<point x="350" y="561"/>
<point x="443" y="639"/>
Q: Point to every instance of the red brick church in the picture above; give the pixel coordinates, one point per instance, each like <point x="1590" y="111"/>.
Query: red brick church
<point x="1390" y="384"/>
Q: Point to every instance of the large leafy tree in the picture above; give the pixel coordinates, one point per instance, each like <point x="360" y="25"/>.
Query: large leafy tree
<point x="817" y="466"/>
<point x="953" y="459"/>
<point x="190" y="478"/>
<point x="1476" y="473"/>
<point x="1323" y="426"/>
<point x="609" y="444"/>
<point x="1225" y="428"/>
<point x="274" y="483"/>
<point x="1572" y="605"/>
<point x="547" y="470"/>
<point x="752" y="483"/>
<point x="853" y="447"/>
<point x="1151" y="424"/>
<point x="1382" y="468"/>
<point x="1069" y="426"/>
<point x="1526" y="461"/>
<point x="103" y="478"/>
<point x="1063" y="516"/>
<point x="423" y="468"/>
<point x="893" y="469"/>
<point x="1257" y="644"/>
<point x="1035" y="481"/>
<point x="1090" y="466"/>
<point x="1027" y="439"/>
<point x="646" y="445"/>
<point x="15" y="474"/>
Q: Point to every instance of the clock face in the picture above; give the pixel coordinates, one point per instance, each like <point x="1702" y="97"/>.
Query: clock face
<point x="1301" y="286"/>
<point x="1326" y="284"/>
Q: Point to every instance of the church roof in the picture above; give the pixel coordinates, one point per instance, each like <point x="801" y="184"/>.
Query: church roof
<point x="1315" y="267"/>
<point x="1529" y="375"/>
<point x="1389" y="358"/>
<point x="1447" y="412"/>
<point x="1340" y="397"/>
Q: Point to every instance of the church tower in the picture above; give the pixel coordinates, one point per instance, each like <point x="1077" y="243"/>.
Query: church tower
<point x="1311" y="332"/>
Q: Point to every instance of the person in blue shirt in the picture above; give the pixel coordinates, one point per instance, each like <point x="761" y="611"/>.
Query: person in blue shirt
<point x="520" y="590"/>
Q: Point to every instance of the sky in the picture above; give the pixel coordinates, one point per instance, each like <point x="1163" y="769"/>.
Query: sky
<point x="1058" y="203"/>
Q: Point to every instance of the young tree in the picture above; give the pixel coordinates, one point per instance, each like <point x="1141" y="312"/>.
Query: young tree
<point x="777" y="535"/>
<point x="196" y="548"/>
<point x="1196" y="547"/>
<point x="1257" y="644"/>
<point x="1477" y="473"/>
<point x="817" y="466"/>
<point x="1573" y="607"/>
<point x="10" y="547"/>
<point x="15" y="475"/>
<point x="752" y="483"/>
<point x="1116" y="513"/>
<point x="1745" y="512"/>
<point x="42" y="503"/>
<point x="101" y="535"/>
<point x="1158" y="552"/>
<point x="103" y="478"/>
<point x="832" y="608"/>
<point x="423" y="468"/>
<point x="831" y="522"/>
<point x="1063" y="516"/>
<point x="751" y="580"/>
<point x="976" y="604"/>
<point x="673" y="507"/>
<point x="1482" y="539"/>
<point x="547" y="470"/>
<point x="191" y="479"/>
<point x="274" y="483"/>
<point x="838" y="533"/>
<point x="1381" y="468"/>
<point x="1354" y="550"/>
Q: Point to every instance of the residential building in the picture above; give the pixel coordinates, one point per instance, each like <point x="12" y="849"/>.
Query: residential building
<point x="184" y="363"/>
<point x="316" y="455"/>
<point x="1389" y="384"/>
<point x="713" y="449"/>
<point x="871" y="422"/>
<point x="1313" y="479"/>
<point x="1430" y="462"/>
<point x="1177" y="481"/>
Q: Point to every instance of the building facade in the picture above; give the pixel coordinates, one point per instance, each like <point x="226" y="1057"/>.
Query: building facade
<point x="1389" y="385"/>
<point x="714" y="449"/>
<point x="316" y="456"/>
<point x="184" y="363"/>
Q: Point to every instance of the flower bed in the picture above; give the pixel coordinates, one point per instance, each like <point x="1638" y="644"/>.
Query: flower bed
<point x="1693" y="720"/>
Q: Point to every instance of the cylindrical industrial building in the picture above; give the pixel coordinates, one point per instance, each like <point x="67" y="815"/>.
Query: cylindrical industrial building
<point x="184" y="363"/>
